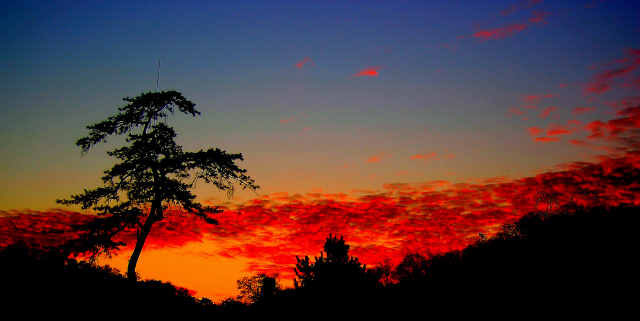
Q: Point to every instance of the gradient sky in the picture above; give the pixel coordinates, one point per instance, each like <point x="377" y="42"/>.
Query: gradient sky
<point x="402" y="125"/>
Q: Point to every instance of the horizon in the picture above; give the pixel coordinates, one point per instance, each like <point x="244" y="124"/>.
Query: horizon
<point x="402" y="127"/>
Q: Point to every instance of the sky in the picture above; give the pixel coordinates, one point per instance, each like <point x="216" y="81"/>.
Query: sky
<point x="403" y="126"/>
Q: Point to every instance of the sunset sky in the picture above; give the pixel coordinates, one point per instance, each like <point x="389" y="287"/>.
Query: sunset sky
<point x="401" y="125"/>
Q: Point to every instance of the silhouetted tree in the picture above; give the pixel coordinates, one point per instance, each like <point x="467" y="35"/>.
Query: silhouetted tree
<point x="153" y="175"/>
<point x="335" y="271"/>
<point x="251" y="287"/>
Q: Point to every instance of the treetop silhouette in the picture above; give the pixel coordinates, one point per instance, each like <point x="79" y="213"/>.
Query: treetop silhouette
<point x="336" y="270"/>
<point x="153" y="175"/>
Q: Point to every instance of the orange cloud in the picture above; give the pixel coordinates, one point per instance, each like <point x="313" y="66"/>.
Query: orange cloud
<point x="425" y="156"/>
<point x="370" y="72"/>
<point x="377" y="158"/>
<point x="373" y="159"/>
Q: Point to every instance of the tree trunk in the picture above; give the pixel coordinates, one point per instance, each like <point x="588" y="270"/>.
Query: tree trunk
<point x="142" y="237"/>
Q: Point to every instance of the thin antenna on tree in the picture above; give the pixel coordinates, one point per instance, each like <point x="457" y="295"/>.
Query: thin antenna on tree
<point x="158" y="78"/>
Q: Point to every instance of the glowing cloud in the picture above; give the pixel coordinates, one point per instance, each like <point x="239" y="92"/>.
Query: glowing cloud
<point x="546" y="139"/>
<point x="370" y="72"/>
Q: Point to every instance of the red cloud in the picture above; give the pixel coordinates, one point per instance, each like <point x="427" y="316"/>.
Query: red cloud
<point x="289" y="120"/>
<point x="538" y="17"/>
<point x="425" y="156"/>
<point x="582" y="110"/>
<point x="371" y="72"/>
<point x="623" y="131"/>
<point x="499" y="33"/>
<point x="555" y="129"/>
<point x="533" y="131"/>
<point x="546" y="139"/>
<point x="545" y="112"/>
<point x="515" y="111"/>
<point x="604" y="79"/>
<point x="438" y="216"/>
<point x="301" y="64"/>
<point x="535" y="98"/>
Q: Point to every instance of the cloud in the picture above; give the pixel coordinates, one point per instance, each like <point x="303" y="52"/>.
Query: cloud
<point x="373" y="159"/>
<point x="536" y="98"/>
<point x="515" y="8"/>
<point x="603" y="80"/>
<point x="292" y="119"/>
<point x="426" y="156"/>
<point x="377" y="158"/>
<point x="546" y="139"/>
<point x="270" y="230"/>
<point x="289" y="120"/>
<point x="556" y="129"/>
<point x="545" y="112"/>
<point x="533" y="131"/>
<point x="499" y="33"/>
<point x="582" y="110"/>
<point x="306" y="61"/>
<point x="536" y="18"/>
<point x="515" y="111"/>
<point x="370" y="72"/>
<point x="624" y="132"/>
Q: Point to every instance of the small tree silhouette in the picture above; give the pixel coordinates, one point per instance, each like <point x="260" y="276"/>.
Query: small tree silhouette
<point x="335" y="271"/>
<point x="252" y="287"/>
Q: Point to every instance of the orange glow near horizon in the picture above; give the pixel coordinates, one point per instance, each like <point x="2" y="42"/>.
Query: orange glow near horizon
<point x="263" y="235"/>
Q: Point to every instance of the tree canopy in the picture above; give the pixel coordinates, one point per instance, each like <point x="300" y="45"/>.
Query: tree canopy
<point x="336" y="270"/>
<point x="152" y="175"/>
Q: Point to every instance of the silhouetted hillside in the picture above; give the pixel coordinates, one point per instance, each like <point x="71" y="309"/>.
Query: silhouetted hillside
<point x="40" y="281"/>
<point x="573" y="262"/>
